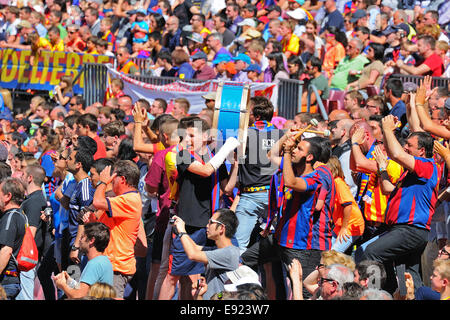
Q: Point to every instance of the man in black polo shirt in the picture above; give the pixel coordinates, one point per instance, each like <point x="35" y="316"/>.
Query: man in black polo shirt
<point x="12" y="231"/>
<point x="33" y="205"/>
<point x="256" y="172"/>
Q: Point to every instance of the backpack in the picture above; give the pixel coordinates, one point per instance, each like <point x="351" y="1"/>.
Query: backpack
<point x="28" y="255"/>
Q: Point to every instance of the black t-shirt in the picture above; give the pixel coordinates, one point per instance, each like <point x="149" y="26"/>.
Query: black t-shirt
<point x="32" y="207"/>
<point x="12" y="231"/>
<point x="257" y="170"/>
<point x="194" y="203"/>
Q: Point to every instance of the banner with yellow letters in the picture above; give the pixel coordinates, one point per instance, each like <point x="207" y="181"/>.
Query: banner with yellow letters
<point x="16" y="72"/>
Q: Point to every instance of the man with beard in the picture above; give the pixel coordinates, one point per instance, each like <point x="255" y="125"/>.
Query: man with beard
<point x="297" y="232"/>
<point x="314" y="70"/>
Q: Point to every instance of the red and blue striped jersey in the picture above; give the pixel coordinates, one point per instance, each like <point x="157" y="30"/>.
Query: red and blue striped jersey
<point x="414" y="197"/>
<point x="300" y="226"/>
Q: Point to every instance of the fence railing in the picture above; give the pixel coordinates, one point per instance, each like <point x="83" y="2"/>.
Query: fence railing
<point x="289" y="91"/>
<point x="95" y="85"/>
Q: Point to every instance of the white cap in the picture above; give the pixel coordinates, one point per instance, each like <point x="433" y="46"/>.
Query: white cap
<point x="241" y="275"/>
<point x="297" y="14"/>
<point x="248" y="22"/>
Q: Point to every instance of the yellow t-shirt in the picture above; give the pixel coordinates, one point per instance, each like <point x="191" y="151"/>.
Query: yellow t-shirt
<point x="293" y="45"/>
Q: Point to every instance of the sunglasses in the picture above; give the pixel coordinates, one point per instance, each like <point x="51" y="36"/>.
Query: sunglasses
<point x="211" y="221"/>
<point x="443" y="252"/>
<point x="322" y="280"/>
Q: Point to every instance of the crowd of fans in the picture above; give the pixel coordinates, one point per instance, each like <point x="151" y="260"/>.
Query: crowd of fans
<point x="333" y="211"/>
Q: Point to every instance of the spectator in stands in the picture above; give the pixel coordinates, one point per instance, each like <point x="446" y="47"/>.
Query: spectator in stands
<point x="125" y="64"/>
<point x="433" y="64"/>
<point x="318" y="80"/>
<point x="202" y="70"/>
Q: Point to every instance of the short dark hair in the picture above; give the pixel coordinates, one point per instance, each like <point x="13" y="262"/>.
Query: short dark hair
<point x="396" y="86"/>
<point x="126" y="150"/>
<point x="16" y="188"/>
<point x="88" y="119"/>
<point x="424" y="140"/>
<point x="378" y="50"/>
<point x="314" y="149"/>
<point x="37" y="172"/>
<point x="325" y="146"/>
<point x="129" y="170"/>
<point x="262" y="108"/>
<point x="155" y="35"/>
<point x="102" y="163"/>
<point x="85" y="157"/>
<point x="316" y="63"/>
<point x="86" y="143"/>
<point x="229" y="219"/>
<point x="100" y="232"/>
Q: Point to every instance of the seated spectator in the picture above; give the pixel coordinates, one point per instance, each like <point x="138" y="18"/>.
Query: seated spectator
<point x="350" y="68"/>
<point x="318" y="80"/>
<point x="433" y="64"/>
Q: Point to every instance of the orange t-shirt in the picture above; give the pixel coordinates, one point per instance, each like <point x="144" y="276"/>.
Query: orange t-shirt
<point x="344" y="196"/>
<point x="333" y="54"/>
<point x="123" y="219"/>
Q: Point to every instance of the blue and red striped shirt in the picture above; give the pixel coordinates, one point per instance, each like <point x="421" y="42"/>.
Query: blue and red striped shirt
<point x="414" y="197"/>
<point x="300" y="226"/>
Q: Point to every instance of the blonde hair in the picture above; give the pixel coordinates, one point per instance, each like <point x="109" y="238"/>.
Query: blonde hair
<point x="335" y="167"/>
<point x="443" y="268"/>
<point x="442" y="45"/>
<point x="102" y="290"/>
<point x="6" y="94"/>
<point x="334" y="257"/>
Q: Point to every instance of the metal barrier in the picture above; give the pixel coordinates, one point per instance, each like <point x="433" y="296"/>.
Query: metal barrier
<point x="95" y="85"/>
<point x="289" y="100"/>
<point x="435" y="82"/>
<point x="95" y="82"/>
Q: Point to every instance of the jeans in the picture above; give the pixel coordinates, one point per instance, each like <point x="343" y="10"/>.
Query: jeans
<point x="401" y="244"/>
<point x="27" y="284"/>
<point x="11" y="290"/>
<point x="344" y="245"/>
<point x="251" y="206"/>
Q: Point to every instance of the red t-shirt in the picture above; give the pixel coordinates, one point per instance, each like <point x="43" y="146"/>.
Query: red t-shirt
<point x="101" y="149"/>
<point x="434" y="62"/>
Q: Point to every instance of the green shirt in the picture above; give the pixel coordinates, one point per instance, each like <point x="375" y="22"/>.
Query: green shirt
<point x="341" y="78"/>
<point x="62" y="32"/>
<point x="321" y="84"/>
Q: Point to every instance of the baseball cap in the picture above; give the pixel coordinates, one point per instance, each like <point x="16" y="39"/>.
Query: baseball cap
<point x="252" y="34"/>
<point x="300" y="2"/>
<point x="297" y="14"/>
<point x="242" y="57"/>
<point x="254" y="67"/>
<point x="389" y="30"/>
<point x="141" y="11"/>
<point x="393" y="4"/>
<point x="210" y="96"/>
<point x="241" y="275"/>
<point x="199" y="55"/>
<point x="358" y="14"/>
<point x="248" y="22"/>
<point x="403" y="26"/>
<point x="221" y="57"/>
<point x="196" y="37"/>
<point x="24" y="24"/>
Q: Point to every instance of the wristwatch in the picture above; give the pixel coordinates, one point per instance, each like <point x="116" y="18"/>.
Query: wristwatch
<point x="74" y="248"/>
<point x="180" y="234"/>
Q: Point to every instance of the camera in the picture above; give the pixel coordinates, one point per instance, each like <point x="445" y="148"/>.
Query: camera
<point x="48" y="211"/>
<point x="172" y="220"/>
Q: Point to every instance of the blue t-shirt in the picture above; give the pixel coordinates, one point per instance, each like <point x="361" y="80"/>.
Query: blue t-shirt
<point x="96" y="270"/>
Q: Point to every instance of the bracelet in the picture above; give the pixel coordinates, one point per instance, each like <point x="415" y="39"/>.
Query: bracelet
<point x="355" y="144"/>
<point x="420" y="104"/>
<point x="101" y="182"/>
<point x="181" y="234"/>
<point x="138" y="121"/>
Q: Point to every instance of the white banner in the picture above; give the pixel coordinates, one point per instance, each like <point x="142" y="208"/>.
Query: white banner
<point x="180" y="89"/>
